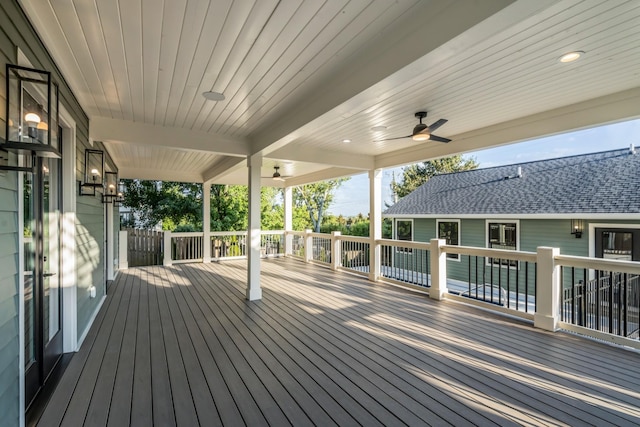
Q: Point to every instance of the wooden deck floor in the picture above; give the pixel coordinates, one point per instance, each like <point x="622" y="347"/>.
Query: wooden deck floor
<point x="181" y="346"/>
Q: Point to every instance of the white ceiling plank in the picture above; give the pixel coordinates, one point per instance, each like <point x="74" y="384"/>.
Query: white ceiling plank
<point x="159" y="175"/>
<point x="172" y="24"/>
<point x="194" y="18"/>
<point x="103" y="129"/>
<point x="315" y="155"/>
<point x="222" y="167"/>
<point x="152" y="13"/>
<point x="132" y="24"/>
<point x="201" y="61"/>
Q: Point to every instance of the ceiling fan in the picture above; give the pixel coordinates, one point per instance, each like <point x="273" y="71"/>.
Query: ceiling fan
<point x="422" y="132"/>
<point x="276" y="175"/>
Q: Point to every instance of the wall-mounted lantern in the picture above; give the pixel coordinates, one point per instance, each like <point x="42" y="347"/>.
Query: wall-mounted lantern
<point x="93" y="172"/>
<point x="113" y="189"/>
<point x="577" y="227"/>
<point x="32" y="112"/>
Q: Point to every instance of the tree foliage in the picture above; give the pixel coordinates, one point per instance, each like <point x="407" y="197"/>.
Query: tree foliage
<point x="316" y="199"/>
<point x="169" y="203"/>
<point x="415" y="175"/>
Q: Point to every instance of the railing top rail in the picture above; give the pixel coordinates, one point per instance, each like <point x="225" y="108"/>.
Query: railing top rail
<point x="188" y="234"/>
<point x="319" y="235"/>
<point x="295" y="233"/>
<point x="404" y="244"/>
<point x="491" y="253"/>
<point x="281" y="232"/>
<point x="616" y="265"/>
<point x="229" y="233"/>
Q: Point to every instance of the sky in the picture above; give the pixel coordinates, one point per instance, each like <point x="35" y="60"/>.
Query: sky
<point x="352" y="197"/>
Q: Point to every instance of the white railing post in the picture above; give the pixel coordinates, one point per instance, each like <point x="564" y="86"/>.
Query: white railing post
<point x="123" y="250"/>
<point x="206" y="222"/>
<point x="375" y="223"/>
<point x="308" y="246"/>
<point x="288" y="221"/>
<point x="336" y="250"/>
<point x="166" y="253"/>
<point x="438" y="289"/>
<point x="548" y="290"/>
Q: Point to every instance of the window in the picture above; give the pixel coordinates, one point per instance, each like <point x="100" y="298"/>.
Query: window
<point x="449" y="230"/>
<point x="404" y="231"/>
<point x="503" y="235"/>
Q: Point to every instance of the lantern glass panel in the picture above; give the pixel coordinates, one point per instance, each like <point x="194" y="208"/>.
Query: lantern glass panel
<point x="111" y="183"/>
<point x="94" y="167"/>
<point x="31" y="104"/>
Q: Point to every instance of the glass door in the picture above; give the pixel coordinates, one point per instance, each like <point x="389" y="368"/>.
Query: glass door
<point x="42" y="302"/>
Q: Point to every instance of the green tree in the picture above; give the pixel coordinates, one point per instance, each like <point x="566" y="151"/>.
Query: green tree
<point x="316" y="199"/>
<point x="172" y="203"/>
<point x="415" y="175"/>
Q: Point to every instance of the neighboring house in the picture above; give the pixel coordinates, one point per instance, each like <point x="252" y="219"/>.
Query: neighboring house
<point x="586" y="205"/>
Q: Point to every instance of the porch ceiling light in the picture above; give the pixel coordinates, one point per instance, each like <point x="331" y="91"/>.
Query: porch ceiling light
<point x="571" y="56"/>
<point x="213" y="96"/>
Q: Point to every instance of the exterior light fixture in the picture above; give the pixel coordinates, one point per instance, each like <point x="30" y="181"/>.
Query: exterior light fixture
<point x="571" y="56"/>
<point x="577" y="227"/>
<point x="31" y="115"/>
<point x="213" y="96"/>
<point x="93" y="172"/>
<point x="111" y="190"/>
<point x="346" y="140"/>
<point x="421" y="137"/>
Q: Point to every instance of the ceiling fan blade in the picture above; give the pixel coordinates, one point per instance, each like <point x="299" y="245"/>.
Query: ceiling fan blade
<point x="437" y="124"/>
<point x="437" y="138"/>
<point x="392" y="139"/>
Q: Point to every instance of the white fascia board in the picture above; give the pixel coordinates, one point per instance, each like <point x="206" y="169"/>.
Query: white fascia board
<point x="159" y="175"/>
<point x="577" y="215"/>
<point x="594" y="112"/>
<point x="322" y="175"/>
<point x="107" y="130"/>
<point x="325" y="157"/>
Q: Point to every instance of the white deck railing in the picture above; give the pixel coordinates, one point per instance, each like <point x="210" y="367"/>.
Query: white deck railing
<point x="591" y="296"/>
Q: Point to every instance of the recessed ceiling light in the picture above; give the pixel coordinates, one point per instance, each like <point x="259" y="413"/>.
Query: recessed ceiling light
<point x="213" y="96"/>
<point x="571" y="56"/>
<point x="346" y="141"/>
<point x="378" y="128"/>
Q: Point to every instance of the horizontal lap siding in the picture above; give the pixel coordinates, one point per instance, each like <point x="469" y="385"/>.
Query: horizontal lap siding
<point x="16" y="32"/>
<point x="9" y="286"/>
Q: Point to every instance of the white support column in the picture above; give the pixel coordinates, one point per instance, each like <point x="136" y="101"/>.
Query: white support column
<point x="308" y="245"/>
<point x="336" y="250"/>
<point x="166" y="259"/>
<point x="254" y="292"/>
<point x="375" y="222"/>
<point x="123" y="250"/>
<point x="206" y="221"/>
<point x="548" y="290"/>
<point x="438" y="289"/>
<point x="109" y="240"/>
<point x="288" y="220"/>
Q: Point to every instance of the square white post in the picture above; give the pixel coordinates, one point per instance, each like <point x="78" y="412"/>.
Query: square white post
<point x="438" y="289"/>
<point x="336" y="250"/>
<point x="288" y="221"/>
<point x="206" y="221"/>
<point x="123" y="249"/>
<point x="254" y="291"/>
<point x="308" y="245"/>
<point x="375" y="223"/>
<point x="548" y="290"/>
<point x="166" y="258"/>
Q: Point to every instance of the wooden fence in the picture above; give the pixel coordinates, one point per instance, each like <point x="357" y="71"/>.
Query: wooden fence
<point x="145" y="247"/>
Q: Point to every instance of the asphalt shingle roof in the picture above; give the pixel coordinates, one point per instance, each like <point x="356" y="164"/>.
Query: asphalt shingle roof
<point x="605" y="182"/>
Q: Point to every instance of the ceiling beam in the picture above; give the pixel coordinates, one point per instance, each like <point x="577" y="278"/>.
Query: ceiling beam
<point x="422" y="30"/>
<point x="612" y="108"/>
<point x="114" y="130"/>
<point x="220" y="167"/>
<point x="316" y="155"/>
<point x="331" y="173"/>
<point x="159" y="175"/>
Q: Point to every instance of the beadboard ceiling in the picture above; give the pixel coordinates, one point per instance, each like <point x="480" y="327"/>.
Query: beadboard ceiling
<point x="301" y="76"/>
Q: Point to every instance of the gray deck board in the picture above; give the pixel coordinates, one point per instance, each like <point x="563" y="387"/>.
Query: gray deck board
<point x="181" y="346"/>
